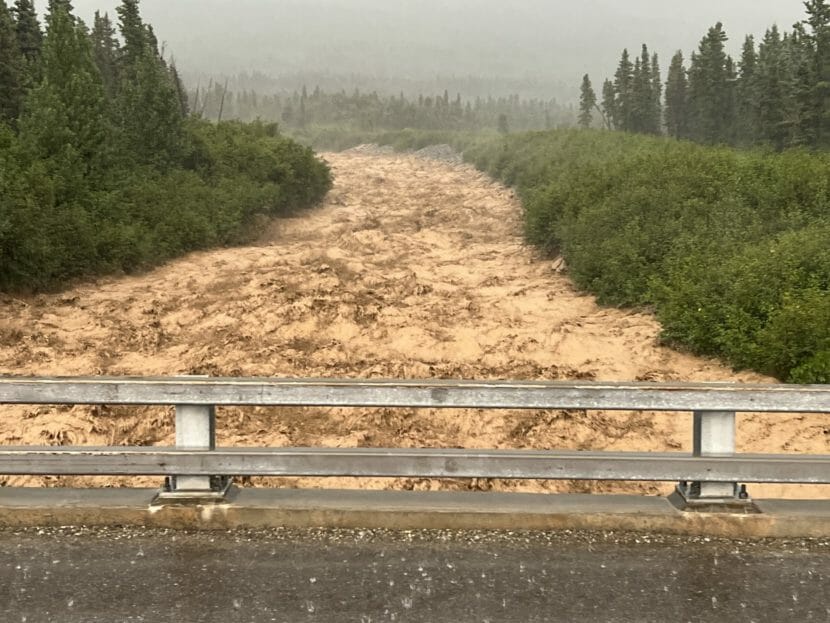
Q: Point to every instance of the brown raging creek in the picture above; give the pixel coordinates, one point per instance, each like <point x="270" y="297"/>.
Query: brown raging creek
<point x="413" y="268"/>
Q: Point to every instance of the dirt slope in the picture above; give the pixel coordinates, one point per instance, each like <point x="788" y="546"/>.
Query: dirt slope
<point x="412" y="268"/>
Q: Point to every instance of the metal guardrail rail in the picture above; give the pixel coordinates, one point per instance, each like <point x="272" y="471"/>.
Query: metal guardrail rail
<point x="197" y="470"/>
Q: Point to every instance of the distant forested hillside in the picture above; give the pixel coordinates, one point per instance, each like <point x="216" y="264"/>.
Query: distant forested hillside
<point x="534" y="48"/>
<point x="371" y="112"/>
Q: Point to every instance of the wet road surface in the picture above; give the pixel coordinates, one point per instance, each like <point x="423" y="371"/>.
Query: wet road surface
<point x="85" y="576"/>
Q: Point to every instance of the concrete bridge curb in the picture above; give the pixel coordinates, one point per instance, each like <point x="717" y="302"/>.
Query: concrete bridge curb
<point x="406" y="510"/>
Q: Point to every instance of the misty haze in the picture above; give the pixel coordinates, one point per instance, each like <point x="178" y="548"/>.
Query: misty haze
<point x="535" y="48"/>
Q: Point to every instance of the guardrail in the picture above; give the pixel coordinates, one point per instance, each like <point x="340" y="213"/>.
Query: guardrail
<point x="197" y="470"/>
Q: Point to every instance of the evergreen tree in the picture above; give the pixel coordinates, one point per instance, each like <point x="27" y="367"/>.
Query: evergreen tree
<point x="730" y="100"/>
<point x="66" y="122"/>
<point x="609" y="105"/>
<point x="55" y="6"/>
<point x="676" y="98"/>
<point x="773" y="91"/>
<point x="640" y="96"/>
<point x="624" y="93"/>
<point x="303" y="118"/>
<point x="181" y="91"/>
<point x="817" y="36"/>
<point x="133" y="33"/>
<point x="711" y="90"/>
<point x="149" y="110"/>
<point x="11" y="68"/>
<point x="106" y="51"/>
<point x="288" y="114"/>
<point x="587" y="103"/>
<point x="645" y="99"/>
<point x="646" y="94"/>
<point x="747" y="132"/>
<point x="807" y="108"/>
<point x="29" y="35"/>
<point x="656" y="96"/>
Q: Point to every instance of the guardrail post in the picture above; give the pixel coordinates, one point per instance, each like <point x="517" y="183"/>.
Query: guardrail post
<point x="714" y="435"/>
<point x="195" y="430"/>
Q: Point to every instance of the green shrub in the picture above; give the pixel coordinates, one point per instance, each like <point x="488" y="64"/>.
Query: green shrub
<point x="138" y="217"/>
<point x="731" y="248"/>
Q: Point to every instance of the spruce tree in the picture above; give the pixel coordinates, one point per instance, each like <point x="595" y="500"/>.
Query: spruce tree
<point x="149" y="109"/>
<point x="12" y="75"/>
<point x="676" y="98"/>
<point x="656" y="96"/>
<point x="640" y="96"/>
<point x="711" y="90"/>
<point x="609" y="105"/>
<point x="66" y="122"/>
<point x="645" y="97"/>
<point x="773" y="91"/>
<point x="624" y="93"/>
<point x="303" y="114"/>
<point x="133" y="33"/>
<point x="807" y="109"/>
<point x="55" y="6"/>
<point x="181" y="91"/>
<point x="106" y="51"/>
<point x="747" y="88"/>
<point x="29" y="35"/>
<point x="817" y="35"/>
<point x="646" y="94"/>
<point x="587" y="103"/>
<point x="730" y="105"/>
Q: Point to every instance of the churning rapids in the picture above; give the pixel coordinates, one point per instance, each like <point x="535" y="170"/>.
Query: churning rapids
<point x="412" y="268"/>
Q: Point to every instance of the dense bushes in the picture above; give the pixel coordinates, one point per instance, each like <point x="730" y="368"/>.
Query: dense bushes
<point x="140" y="216"/>
<point x="731" y="248"/>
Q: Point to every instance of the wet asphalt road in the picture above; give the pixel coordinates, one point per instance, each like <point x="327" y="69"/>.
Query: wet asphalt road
<point x="84" y="576"/>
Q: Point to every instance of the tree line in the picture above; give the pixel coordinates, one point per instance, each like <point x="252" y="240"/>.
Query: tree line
<point x="102" y="166"/>
<point x="776" y="94"/>
<point x="370" y="111"/>
<point x="85" y="94"/>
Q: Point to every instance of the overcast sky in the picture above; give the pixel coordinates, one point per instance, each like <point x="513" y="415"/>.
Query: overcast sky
<point x="545" y="40"/>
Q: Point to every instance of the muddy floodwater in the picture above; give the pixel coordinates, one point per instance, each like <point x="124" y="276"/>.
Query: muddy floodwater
<point x="412" y="268"/>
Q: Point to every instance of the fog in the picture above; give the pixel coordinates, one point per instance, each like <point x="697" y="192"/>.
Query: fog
<point x="478" y="47"/>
